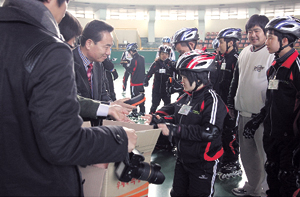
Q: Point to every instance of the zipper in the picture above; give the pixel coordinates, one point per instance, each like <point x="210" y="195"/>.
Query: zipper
<point x="181" y="119"/>
<point x="274" y="76"/>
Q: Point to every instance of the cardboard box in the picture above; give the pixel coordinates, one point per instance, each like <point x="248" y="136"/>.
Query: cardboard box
<point x="104" y="183"/>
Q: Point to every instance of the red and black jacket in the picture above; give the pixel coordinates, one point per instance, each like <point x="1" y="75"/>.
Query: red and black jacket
<point x="281" y="104"/>
<point x="137" y="70"/>
<point x="160" y="79"/>
<point x="207" y="108"/>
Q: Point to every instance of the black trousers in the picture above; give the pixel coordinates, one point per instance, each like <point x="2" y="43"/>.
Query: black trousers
<point x="280" y="177"/>
<point x="194" y="179"/>
<point x="136" y="90"/>
<point x="230" y="140"/>
<point x="125" y="79"/>
<point x="156" y="98"/>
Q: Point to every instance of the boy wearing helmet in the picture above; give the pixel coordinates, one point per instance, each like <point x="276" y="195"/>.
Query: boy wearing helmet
<point x="167" y="41"/>
<point x="184" y="40"/>
<point x="227" y="38"/>
<point x="195" y="122"/>
<point x="125" y="62"/>
<point x="163" y="68"/>
<point x="247" y="96"/>
<point x="137" y="71"/>
<point x="282" y="104"/>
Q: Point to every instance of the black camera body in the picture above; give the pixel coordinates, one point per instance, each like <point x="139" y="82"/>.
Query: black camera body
<point x="134" y="167"/>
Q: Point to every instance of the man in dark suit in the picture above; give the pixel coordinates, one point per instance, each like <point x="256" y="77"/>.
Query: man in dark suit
<point x="96" y="42"/>
<point x="95" y="47"/>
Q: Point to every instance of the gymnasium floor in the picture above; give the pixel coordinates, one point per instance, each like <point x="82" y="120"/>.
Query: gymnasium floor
<point x="166" y="159"/>
<point x="167" y="162"/>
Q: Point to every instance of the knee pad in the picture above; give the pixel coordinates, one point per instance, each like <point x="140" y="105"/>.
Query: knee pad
<point x="271" y="167"/>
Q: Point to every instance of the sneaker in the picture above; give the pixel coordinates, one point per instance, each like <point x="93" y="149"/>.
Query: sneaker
<point x="124" y="94"/>
<point x="239" y="192"/>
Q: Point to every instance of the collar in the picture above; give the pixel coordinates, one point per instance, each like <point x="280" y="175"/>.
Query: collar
<point x="85" y="60"/>
<point x="38" y="11"/>
<point x="233" y="51"/>
<point x="252" y="48"/>
<point x="287" y="59"/>
<point x="200" y="91"/>
<point x="135" y="55"/>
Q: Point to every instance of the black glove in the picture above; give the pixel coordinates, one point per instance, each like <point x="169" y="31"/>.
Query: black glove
<point x="115" y="74"/>
<point x="252" y="125"/>
<point x="210" y="133"/>
<point x="173" y="86"/>
<point x="172" y="128"/>
<point x="146" y="83"/>
<point x="155" y="121"/>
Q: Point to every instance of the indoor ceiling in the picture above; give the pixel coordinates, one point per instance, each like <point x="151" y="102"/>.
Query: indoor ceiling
<point x="177" y="4"/>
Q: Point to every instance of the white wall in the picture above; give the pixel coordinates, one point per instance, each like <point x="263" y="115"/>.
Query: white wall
<point x="217" y="25"/>
<point x="168" y="28"/>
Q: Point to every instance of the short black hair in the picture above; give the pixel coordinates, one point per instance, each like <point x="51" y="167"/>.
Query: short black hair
<point x="70" y="27"/>
<point x="259" y="20"/>
<point x="59" y="1"/>
<point x="93" y="30"/>
<point x="195" y="76"/>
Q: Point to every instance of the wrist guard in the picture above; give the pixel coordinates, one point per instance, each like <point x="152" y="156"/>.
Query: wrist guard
<point x="252" y="125"/>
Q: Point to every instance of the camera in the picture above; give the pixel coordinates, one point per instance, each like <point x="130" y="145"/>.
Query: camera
<point x="134" y="167"/>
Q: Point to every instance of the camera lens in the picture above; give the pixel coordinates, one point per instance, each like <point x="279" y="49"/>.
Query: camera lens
<point x="150" y="173"/>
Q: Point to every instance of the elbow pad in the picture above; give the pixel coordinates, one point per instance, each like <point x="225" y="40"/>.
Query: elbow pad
<point x="210" y="132"/>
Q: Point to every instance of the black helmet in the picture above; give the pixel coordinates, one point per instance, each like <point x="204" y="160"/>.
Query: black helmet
<point x="185" y="35"/>
<point x="164" y="49"/>
<point x="215" y="43"/>
<point x="131" y="47"/>
<point x="196" y="62"/>
<point x="230" y="33"/>
<point x="285" y="25"/>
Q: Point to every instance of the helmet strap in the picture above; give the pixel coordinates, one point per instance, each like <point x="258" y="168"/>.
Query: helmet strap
<point x="282" y="47"/>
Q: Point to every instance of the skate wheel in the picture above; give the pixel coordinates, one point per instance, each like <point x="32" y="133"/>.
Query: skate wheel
<point x="240" y="173"/>
<point x="223" y="177"/>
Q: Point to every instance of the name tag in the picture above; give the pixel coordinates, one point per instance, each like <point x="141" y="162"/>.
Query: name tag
<point x="223" y="66"/>
<point x="273" y="84"/>
<point x="162" y="70"/>
<point x="185" y="109"/>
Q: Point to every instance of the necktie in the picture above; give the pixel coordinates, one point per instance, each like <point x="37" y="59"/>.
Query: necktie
<point x="89" y="74"/>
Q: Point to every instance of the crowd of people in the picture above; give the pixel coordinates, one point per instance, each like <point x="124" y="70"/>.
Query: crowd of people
<point x="56" y="74"/>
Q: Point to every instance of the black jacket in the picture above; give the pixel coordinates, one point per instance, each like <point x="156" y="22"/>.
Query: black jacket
<point x="207" y="108"/>
<point x="225" y="69"/>
<point x="162" y="70"/>
<point x="137" y="70"/>
<point x="281" y="104"/>
<point x="42" y="141"/>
